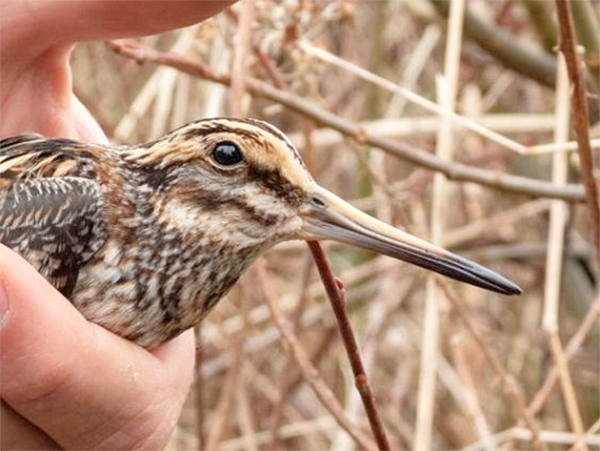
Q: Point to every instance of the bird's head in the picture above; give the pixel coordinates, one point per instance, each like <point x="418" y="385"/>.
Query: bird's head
<point x="244" y="183"/>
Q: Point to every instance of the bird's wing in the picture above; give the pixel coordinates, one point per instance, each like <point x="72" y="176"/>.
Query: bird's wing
<point x="19" y="139"/>
<point x="32" y="156"/>
<point x="55" y="223"/>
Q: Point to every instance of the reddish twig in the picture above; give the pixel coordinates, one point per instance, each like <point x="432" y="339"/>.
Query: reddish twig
<point x="270" y="68"/>
<point x="338" y="303"/>
<point x="581" y="117"/>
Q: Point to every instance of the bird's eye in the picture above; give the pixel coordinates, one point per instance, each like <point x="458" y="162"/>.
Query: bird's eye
<point x="227" y="154"/>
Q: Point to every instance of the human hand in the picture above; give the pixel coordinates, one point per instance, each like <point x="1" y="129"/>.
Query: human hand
<point x="84" y="387"/>
<point x="36" y="40"/>
<point x="68" y="383"/>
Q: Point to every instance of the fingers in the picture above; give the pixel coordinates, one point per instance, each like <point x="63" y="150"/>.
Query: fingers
<point x="18" y="433"/>
<point x="100" y="19"/>
<point x="80" y="384"/>
<point x="41" y="23"/>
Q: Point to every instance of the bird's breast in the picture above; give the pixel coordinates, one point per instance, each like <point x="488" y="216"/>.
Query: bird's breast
<point x="151" y="293"/>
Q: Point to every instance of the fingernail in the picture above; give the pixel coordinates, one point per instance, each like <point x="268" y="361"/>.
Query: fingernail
<point x="3" y="303"/>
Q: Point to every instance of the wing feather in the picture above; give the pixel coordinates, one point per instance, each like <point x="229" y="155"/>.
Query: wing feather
<point x="55" y="223"/>
<point x="19" y="139"/>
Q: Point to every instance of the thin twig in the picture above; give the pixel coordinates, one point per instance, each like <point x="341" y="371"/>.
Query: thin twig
<point x="270" y="68"/>
<point x="581" y="117"/>
<point x="224" y="405"/>
<point x="199" y="399"/>
<point x="244" y="414"/>
<point x="471" y="400"/>
<point x="452" y="170"/>
<point x="552" y="437"/>
<point x="285" y="384"/>
<point x="588" y="434"/>
<point x="148" y="93"/>
<point x="338" y="303"/>
<point x="447" y="88"/>
<point x="264" y="60"/>
<point x="423" y="102"/>
<point x="240" y="53"/>
<point x="554" y="259"/>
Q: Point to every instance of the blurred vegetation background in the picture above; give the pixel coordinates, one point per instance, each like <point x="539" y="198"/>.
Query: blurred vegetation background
<point x="249" y="392"/>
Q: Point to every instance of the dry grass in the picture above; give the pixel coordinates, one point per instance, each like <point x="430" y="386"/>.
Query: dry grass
<point x="490" y="378"/>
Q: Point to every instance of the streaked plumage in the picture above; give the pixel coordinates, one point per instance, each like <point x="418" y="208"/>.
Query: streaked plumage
<point x="144" y="240"/>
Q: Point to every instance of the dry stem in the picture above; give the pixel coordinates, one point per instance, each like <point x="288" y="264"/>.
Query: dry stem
<point x="554" y="260"/>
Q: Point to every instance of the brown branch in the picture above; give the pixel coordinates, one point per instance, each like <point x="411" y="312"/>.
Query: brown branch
<point x="581" y="117"/>
<point x="452" y="170"/>
<point x="264" y="60"/>
<point x="338" y="303"/>
<point x="270" y="68"/>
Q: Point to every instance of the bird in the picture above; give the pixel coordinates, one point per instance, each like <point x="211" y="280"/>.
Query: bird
<point x="145" y="239"/>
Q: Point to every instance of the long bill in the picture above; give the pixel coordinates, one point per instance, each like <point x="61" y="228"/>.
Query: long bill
<point x="326" y="216"/>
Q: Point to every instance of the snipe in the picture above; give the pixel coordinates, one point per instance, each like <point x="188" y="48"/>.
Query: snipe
<point x="144" y="240"/>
